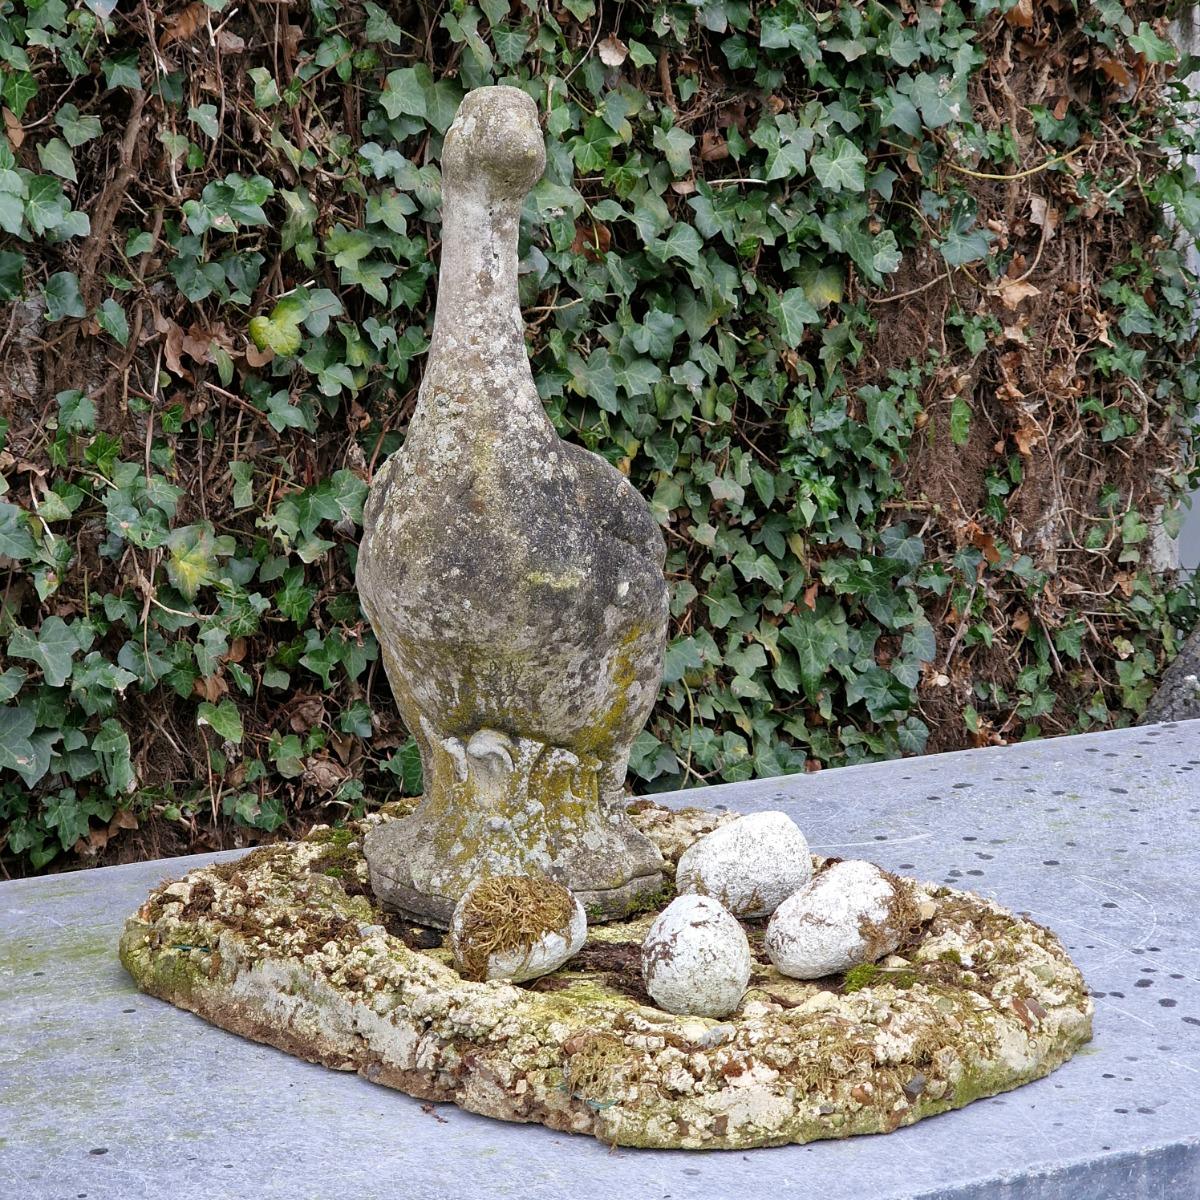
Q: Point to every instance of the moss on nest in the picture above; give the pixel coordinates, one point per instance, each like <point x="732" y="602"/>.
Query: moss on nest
<point x="507" y="913"/>
<point x="898" y="925"/>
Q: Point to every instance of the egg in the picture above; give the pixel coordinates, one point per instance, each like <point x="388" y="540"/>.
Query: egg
<point x="750" y="866"/>
<point x="515" y="927"/>
<point x="852" y="913"/>
<point x="696" y="959"/>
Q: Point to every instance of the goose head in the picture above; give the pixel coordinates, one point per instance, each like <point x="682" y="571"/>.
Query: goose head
<point x="495" y="143"/>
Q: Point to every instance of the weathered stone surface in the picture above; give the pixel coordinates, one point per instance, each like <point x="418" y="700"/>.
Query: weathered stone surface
<point x="750" y="866"/>
<point x="852" y="913"/>
<point x="696" y="958"/>
<point x="1177" y="697"/>
<point x="514" y="582"/>
<point x="286" y="946"/>
<point x="1068" y="828"/>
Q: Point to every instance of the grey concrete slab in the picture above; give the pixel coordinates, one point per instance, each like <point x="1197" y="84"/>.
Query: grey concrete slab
<point x="107" y="1094"/>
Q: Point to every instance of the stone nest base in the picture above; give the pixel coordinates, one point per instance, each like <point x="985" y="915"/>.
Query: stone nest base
<point x="287" y="946"/>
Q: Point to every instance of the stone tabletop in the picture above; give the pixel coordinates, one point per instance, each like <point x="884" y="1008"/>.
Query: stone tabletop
<point x="106" y="1094"/>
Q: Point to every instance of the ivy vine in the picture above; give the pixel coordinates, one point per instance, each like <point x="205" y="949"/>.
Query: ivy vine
<point x="844" y="304"/>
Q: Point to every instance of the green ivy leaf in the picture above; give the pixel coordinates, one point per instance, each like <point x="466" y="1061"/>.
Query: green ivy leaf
<point x="12" y="203"/>
<point x="841" y="166"/>
<point x="403" y="93"/>
<point x="139" y="242"/>
<point x="816" y="639"/>
<point x="62" y="296"/>
<point x="640" y="55"/>
<point x="283" y="414"/>
<point x="16" y="542"/>
<point x="964" y="243"/>
<point x="380" y="27"/>
<point x="224" y="719"/>
<point x="899" y="112"/>
<point x="10" y="684"/>
<point x="76" y="412"/>
<point x="676" y="145"/>
<point x="281" y="336"/>
<point x="12" y="274"/>
<point x="793" y="313"/>
<point x="16" y="750"/>
<point x="110" y="316"/>
<point x="76" y="128"/>
<point x="266" y="90"/>
<point x="205" y="116"/>
<point x="52" y="648"/>
<point x="193" y="559"/>
<point x="682" y="242"/>
<point x="111" y="743"/>
<point x="1152" y="47"/>
<point x="936" y="98"/>
<point x="45" y="206"/>
<point x="295" y="599"/>
<point x="960" y="421"/>
<point x="122" y="72"/>
<point x="19" y="88"/>
<point x="243" y="484"/>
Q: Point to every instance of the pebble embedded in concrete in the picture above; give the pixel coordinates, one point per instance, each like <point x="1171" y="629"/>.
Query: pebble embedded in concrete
<point x="696" y="958"/>
<point x="750" y="866"/>
<point x="852" y="913"/>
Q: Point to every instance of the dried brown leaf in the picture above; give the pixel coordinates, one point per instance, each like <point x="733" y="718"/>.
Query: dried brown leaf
<point x="613" y="51"/>
<point x="1026" y="435"/>
<point x="306" y="711"/>
<point x="184" y="24"/>
<point x="211" y="688"/>
<point x="228" y="42"/>
<point x="324" y="774"/>
<point x="1043" y="214"/>
<point x="14" y="129"/>
<point x="592" y="240"/>
<point x="1020" y="16"/>
<point x="172" y="346"/>
<point x="713" y="147"/>
<point x="982" y="540"/>
<point x="1116" y="71"/>
<point x="256" y="357"/>
<point x="1013" y="291"/>
<point x="197" y="344"/>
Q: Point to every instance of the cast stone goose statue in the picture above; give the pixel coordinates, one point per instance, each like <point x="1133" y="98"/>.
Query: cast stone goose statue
<point x="514" y="581"/>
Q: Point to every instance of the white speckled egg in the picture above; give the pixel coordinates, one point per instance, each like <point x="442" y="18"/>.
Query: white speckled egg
<point x="515" y="927"/>
<point x="751" y="866"/>
<point x="696" y="959"/>
<point x="852" y="913"/>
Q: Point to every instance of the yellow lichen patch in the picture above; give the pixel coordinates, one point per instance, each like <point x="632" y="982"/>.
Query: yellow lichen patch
<point x="559" y="581"/>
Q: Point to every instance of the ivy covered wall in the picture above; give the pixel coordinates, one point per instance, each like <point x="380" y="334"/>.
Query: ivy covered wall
<point x="878" y="304"/>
